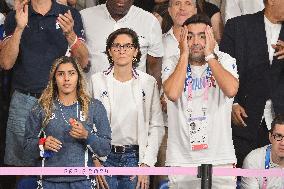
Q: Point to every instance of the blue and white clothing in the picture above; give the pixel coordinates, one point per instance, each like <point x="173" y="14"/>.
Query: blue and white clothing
<point x="256" y="160"/>
<point x="150" y="125"/>
<point x="72" y="153"/>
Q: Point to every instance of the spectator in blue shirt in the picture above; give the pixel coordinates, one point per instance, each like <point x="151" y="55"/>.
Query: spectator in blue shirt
<point x="35" y="34"/>
<point x="69" y="123"/>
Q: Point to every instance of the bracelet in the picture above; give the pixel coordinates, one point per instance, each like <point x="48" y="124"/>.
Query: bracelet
<point x="210" y="56"/>
<point x="74" y="42"/>
<point x="75" y="46"/>
<point x="41" y="141"/>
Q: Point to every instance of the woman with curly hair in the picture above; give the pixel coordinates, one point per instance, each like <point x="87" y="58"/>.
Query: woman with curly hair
<point x="66" y="127"/>
<point x="133" y="106"/>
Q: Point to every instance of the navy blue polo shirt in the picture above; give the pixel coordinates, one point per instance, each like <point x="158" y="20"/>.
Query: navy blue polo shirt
<point x="41" y="43"/>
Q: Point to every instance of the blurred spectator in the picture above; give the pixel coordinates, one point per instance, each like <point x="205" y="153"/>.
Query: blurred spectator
<point x="71" y="3"/>
<point x="234" y="8"/>
<point x="10" y="3"/>
<point x="90" y="3"/>
<point x="4" y="9"/>
<point x="213" y="12"/>
<point x="162" y="14"/>
<point x="146" y="5"/>
<point x="179" y="10"/>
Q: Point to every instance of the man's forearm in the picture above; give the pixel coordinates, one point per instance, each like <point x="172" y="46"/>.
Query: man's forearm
<point x="81" y="53"/>
<point x="78" y="49"/>
<point x="154" y="68"/>
<point x="10" y="50"/>
<point x="174" y="85"/>
<point x="226" y="81"/>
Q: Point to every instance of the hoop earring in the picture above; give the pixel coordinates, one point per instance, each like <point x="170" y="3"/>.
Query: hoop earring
<point x="134" y="60"/>
<point x="110" y="60"/>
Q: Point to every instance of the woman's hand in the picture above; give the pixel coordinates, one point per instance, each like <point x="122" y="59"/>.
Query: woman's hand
<point x="143" y="180"/>
<point x="52" y="144"/>
<point x="78" y="131"/>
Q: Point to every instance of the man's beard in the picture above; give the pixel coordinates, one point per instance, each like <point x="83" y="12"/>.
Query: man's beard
<point x="200" y="58"/>
<point x="196" y="57"/>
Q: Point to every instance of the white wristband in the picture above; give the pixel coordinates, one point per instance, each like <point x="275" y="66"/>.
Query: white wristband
<point x="210" y="56"/>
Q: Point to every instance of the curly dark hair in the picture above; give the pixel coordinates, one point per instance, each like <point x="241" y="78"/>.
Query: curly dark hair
<point x="132" y="34"/>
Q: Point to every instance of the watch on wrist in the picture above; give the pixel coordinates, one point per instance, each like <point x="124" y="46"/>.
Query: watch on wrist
<point x="210" y="56"/>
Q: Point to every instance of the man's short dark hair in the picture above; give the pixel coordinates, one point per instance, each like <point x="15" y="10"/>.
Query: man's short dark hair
<point x="198" y="19"/>
<point x="279" y="119"/>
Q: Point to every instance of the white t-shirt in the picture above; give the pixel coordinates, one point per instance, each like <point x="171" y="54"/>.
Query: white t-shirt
<point x="256" y="160"/>
<point x="170" y="45"/>
<point x="220" y="145"/>
<point x="98" y="24"/>
<point x="124" y="125"/>
<point x="234" y="8"/>
<point x="2" y="19"/>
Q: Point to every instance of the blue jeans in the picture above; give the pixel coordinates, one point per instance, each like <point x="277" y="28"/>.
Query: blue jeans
<point x="122" y="160"/>
<point x="20" y="107"/>
<point x="85" y="184"/>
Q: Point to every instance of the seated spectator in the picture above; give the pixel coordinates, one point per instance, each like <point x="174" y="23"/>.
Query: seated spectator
<point x="60" y="126"/>
<point x="268" y="157"/>
<point x="137" y="128"/>
<point x="213" y="12"/>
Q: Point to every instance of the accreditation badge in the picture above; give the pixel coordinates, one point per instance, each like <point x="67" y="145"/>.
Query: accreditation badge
<point x="198" y="133"/>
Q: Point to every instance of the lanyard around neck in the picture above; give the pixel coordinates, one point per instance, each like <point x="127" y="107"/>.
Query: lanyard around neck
<point x="267" y="165"/>
<point x="189" y="80"/>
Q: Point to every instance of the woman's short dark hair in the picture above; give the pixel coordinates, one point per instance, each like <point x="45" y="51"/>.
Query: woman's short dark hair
<point x="135" y="42"/>
<point x="198" y="19"/>
<point x="278" y="120"/>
